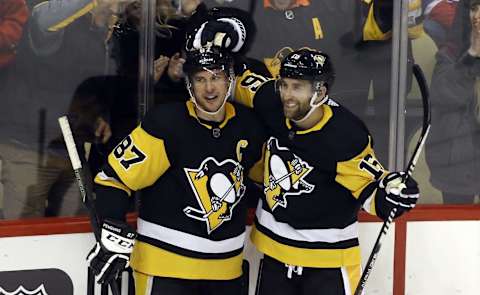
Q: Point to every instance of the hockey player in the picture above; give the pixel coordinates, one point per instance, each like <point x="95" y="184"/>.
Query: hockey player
<point x="306" y="224"/>
<point x="188" y="160"/>
<point x="319" y="170"/>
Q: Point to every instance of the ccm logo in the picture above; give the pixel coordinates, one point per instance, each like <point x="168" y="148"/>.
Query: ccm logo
<point x="123" y="243"/>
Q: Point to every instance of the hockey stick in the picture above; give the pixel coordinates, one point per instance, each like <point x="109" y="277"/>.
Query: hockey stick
<point x="79" y="175"/>
<point x="277" y="181"/>
<point x="417" y="71"/>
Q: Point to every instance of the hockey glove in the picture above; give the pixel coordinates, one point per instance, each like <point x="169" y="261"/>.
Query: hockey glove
<point x="393" y="193"/>
<point x="227" y="33"/>
<point x="111" y="255"/>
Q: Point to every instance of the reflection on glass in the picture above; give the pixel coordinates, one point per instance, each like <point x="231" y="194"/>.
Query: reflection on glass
<point x="16" y="11"/>
<point x="453" y="150"/>
<point x="64" y="64"/>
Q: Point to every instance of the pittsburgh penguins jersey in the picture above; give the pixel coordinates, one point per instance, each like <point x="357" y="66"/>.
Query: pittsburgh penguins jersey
<point x="192" y="212"/>
<point x="315" y="181"/>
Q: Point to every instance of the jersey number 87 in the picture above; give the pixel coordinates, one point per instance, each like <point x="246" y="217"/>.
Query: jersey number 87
<point x="127" y="153"/>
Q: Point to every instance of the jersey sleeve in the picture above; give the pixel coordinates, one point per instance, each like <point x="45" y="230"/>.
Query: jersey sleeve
<point x="136" y="162"/>
<point x="247" y="85"/>
<point x="361" y="173"/>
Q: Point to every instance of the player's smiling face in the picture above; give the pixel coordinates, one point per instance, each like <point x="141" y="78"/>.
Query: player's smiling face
<point x="210" y="88"/>
<point x="295" y="95"/>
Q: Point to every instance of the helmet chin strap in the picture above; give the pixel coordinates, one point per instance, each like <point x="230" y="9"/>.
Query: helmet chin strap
<point x="194" y="100"/>
<point x="313" y="106"/>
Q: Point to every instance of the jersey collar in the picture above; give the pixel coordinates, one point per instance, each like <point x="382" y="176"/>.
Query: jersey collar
<point x="327" y="114"/>
<point x="229" y="114"/>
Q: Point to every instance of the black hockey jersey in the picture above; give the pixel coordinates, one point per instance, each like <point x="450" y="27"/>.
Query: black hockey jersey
<point x="192" y="213"/>
<point x="315" y="181"/>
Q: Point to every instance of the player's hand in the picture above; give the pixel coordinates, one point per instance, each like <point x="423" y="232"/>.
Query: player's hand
<point x="394" y="193"/>
<point x="228" y="33"/>
<point x="297" y="166"/>
<point x="216" y="203"/>
<point x="272" y="182"/>
<point x="111" y="255"/>
<point x="238" y="171"/>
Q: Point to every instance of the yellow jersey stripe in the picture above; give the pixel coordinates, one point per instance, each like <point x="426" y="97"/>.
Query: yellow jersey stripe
<point x="154" y="261"/>
<point x="143" y="283"/>
<point x="353" y="273"/>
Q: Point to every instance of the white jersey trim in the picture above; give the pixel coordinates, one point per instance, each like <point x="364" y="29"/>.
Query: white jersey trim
<point x="188" y="241"/>
<point x="331" y="235"/>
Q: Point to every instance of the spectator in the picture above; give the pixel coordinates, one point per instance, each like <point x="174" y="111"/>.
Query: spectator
<point x="170" y="31"/>
<point x="439" y="15"/>
<point x="453" y="148"/>
<point x="13" y="16"/>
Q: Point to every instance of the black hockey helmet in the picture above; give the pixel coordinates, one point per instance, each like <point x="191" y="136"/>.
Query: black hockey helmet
<point x="209" y="57"/>
<point x="308" y="64"/>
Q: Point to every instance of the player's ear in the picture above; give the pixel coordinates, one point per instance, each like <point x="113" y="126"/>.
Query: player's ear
<point x="321" y="89"/>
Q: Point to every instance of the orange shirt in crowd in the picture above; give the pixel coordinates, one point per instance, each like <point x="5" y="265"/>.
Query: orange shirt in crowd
<point x="13" y="16"/>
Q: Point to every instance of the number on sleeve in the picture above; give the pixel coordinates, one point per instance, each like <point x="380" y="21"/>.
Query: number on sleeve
<point x="135" y="155"/>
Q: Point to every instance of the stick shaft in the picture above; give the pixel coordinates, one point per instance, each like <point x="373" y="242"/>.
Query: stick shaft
<point x="417" y="71"/>
<point x="80" y="178"/>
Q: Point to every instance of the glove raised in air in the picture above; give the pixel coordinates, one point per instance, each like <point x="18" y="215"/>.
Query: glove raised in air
<point x="228" y="33"/>
<point x="111" y="255"/>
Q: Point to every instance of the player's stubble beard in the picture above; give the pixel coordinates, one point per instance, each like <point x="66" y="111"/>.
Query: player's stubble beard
<point x="296" y="111"/>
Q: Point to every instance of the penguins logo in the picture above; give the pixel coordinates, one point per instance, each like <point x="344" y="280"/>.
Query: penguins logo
<point x="22" y="291"/>
<point x="218" y="188"/>
<point x="285" y="175"/>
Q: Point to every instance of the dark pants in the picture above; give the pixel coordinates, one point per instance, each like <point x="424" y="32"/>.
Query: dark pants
<point x="312" y="281"/>
<point x="174" y="286"/>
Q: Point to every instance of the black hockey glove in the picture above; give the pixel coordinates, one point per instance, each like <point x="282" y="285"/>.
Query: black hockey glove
<point x="393" y="193"/>
<point x="110" y="256"/>
<point x="228" y="33"/>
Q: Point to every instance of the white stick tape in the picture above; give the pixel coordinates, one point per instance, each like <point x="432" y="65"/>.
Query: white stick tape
<point x="69" y="142"/>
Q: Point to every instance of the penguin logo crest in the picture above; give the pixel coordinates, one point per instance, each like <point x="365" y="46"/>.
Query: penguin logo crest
<point x="285" y="175"/>
<point x="218" y="188"/>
